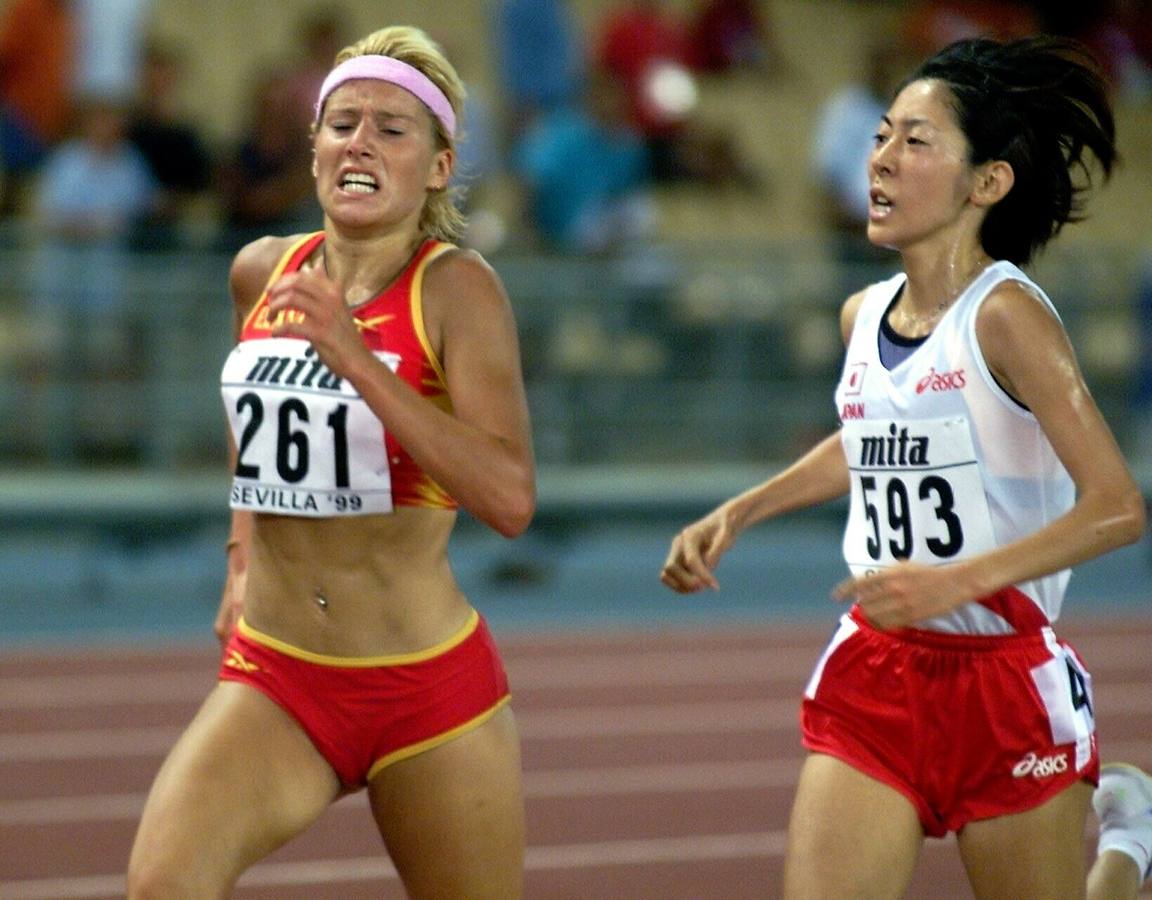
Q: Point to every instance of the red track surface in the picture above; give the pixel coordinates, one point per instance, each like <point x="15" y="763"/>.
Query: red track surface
<point x="656" y="765"/>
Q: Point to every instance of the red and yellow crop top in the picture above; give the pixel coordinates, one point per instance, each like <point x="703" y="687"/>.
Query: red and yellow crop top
<point x="307" y="444"/>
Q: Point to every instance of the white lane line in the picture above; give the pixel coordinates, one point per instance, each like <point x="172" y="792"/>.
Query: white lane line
<point x="658" y="668"/>
<point x="88" y="743"/>
<point x="583" y="722"/>
<point x="643" y="851"/>
<point x="694" y="848"/>
<point x="666" y="667"/>
<point x="767" y="665"/>
<point x="660" y="718"/>
<point x="86" y="887"/>
<point x="73" y="810"/>
<point x="139" y="689"/>
<point x="538" y="785"/>
<point x="709" y="716"/>
<point x="748" y="774"/>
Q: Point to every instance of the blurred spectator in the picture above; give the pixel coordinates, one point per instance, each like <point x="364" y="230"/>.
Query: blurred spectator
<point x="932" y="24"/>
<point x="37" y="58"/>
<point x="478" y="147"/>
<point x="731" y="35"/>
<point x="173" y="148"/>
<point x="1119" y="33"/>
<point x="90" y="190"/>
<point x="266" y="184"/>
<point x="848" y="121"/>
<point x="586" y="171"/>
<point x="647" y="49"/>
<point x="1136" y="17"/>
<point x="1070" y="19"/>
<point x="321" y="33"/>
<point x="481" y="157"/>
<point x="540" y="59"/>
<point x="110" y="46"/>
<point x="1123" y="42"/>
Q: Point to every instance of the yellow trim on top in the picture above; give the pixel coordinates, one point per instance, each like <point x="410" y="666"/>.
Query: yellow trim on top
<point x="276" y="273"/>
<point x="417" y="309"/>
<point x="419" y="747"/>
<point x="361" y="662"/>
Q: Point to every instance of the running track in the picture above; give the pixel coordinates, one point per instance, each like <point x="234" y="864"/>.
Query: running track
<point x="658" y="764"/>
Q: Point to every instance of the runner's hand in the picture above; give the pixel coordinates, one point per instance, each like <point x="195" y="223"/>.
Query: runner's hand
<point x="696" y="552"/>
<point x="904" y="594"/>
<point x="314" y="309"/>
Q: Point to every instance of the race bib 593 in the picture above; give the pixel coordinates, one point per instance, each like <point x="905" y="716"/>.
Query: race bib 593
<point x="916" y="493"/>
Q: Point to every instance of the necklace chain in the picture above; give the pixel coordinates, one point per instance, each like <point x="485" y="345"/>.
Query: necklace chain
<point x="910" y="319"/>
<point x="918" y="320"/>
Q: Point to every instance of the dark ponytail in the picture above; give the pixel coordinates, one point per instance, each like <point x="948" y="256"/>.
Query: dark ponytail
<point x="1038" y="104"/>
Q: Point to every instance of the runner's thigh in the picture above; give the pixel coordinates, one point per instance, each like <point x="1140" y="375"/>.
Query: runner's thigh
<point x="849" y="836"/>
<point x="452" y="817"/>
<point x="240" y="781"/>
<point x="1030" y="855"/>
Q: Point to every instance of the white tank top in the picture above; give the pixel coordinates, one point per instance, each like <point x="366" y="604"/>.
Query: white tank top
<point x="944" y="463"/>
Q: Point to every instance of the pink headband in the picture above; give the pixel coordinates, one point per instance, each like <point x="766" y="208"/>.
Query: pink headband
<point x="387" y="68"/>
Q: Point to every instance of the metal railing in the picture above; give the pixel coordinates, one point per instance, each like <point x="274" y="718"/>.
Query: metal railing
<point x="671" y="354"/>
<point x="660" y="380"/>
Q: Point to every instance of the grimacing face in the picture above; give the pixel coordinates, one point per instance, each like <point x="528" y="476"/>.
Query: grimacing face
<point x="375" y="154"/>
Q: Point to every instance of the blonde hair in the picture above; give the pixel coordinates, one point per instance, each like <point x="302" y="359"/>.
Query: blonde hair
<point x="441" y="217"/>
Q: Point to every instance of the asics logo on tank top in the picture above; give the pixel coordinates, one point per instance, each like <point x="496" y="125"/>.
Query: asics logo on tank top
<point x="941" y="381"/>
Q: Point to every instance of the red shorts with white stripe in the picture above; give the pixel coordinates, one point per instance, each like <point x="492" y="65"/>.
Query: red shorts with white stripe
<point x="965" y="726"/>
<point x="365" y="713"/>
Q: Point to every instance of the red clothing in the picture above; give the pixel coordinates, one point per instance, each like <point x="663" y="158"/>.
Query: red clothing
<point x="632" y="42"/>
<point x="392" y="321"/>
<point x="966" y="727"/>
<point x="36" y="64"/>
<point x="932" y="24"/>
<point x="727" y="33"/>
<point x="363" y="714"/>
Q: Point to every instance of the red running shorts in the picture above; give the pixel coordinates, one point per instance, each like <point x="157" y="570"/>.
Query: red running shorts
<point x="965" y="726"/>
<point x="364" y="713"/>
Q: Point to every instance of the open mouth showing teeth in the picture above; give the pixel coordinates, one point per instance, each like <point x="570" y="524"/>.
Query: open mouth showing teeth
<point x="358" y="183"/>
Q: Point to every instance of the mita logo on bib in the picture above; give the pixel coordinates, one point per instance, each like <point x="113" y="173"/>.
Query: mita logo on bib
<point x="898" y="449"/>
<point x="293" y="371"/>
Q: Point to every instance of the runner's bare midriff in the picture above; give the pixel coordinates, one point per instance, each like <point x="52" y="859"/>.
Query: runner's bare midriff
<point x="358" y="586"/>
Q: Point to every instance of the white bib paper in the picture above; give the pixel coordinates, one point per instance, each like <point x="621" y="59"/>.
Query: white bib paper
<point x="307" y="443"/>
<point x="916" y="493"/>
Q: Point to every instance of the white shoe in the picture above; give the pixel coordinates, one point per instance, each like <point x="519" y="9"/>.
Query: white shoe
<point x="1123" y="803"/>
